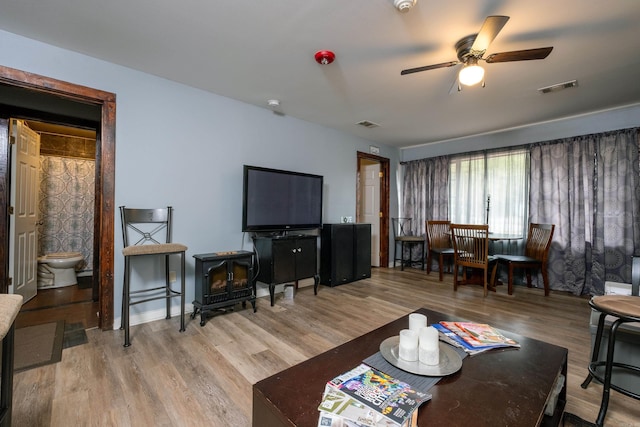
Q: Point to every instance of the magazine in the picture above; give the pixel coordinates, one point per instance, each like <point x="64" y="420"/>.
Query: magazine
<point x="332" y="420"/>
<point x="478" y="335"/>
<point x="394" y="399"/>
<point x="455" y="340"/>
<point x="338" y="409"/>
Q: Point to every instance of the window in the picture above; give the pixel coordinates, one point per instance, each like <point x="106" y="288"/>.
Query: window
<point x="490" y="187"/>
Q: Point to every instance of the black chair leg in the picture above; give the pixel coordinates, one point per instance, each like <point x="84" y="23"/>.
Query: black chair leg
<point x="606" y="391"/>
<point x="596" y="348"/>
<point x="125" y="301"/>
<point x="182" y="274"/>
<point x="395" y="255"/>
<point x="167" y="287"/>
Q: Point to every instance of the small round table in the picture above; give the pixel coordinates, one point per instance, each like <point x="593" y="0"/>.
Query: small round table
<point x="624" y="309"/>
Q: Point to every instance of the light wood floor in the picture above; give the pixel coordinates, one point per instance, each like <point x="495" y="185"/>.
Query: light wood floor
<point x="204" y="375"/>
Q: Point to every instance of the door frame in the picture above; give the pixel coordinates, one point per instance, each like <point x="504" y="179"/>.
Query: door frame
<point x="103" y="264"/>
<point x="384" y="201"/>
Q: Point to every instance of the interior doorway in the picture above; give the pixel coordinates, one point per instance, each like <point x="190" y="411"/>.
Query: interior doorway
<point x="372" y="203"/>
<point x="37" y="97"/>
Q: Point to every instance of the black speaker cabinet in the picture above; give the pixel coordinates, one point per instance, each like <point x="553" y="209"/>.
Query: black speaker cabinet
<point x="345" y="253"/>
<point x="362" y="258"/>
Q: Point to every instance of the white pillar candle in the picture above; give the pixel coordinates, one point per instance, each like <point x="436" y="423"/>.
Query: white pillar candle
<point x="429" y="347"/>
<point x="408" y="347"/>
<point x="417" y="321"/>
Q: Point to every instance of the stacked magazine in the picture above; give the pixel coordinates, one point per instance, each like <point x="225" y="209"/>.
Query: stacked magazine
<point x="366" y="397"/>
<point x="473" y="338"/>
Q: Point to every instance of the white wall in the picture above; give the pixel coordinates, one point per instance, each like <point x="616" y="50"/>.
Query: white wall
<point x="596" y="122"/>
<point x="184" y="147"/>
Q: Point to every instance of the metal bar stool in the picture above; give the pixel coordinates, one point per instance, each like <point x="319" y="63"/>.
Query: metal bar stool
<point x="624" y="309"/>
<point x="402" y="234"/>
<point x="147" y="232"/>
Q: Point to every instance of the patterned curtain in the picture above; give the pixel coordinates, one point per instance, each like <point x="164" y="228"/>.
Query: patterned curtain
<point x="425" y="193"/>
<point x="66" y="206"/>
<point x="589" y="187"/>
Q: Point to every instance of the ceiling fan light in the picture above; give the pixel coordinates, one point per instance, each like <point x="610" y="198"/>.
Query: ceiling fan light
<point x="471" y="74"/>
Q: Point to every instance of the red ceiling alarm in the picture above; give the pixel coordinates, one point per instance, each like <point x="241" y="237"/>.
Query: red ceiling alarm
<point x="324" y="57"/>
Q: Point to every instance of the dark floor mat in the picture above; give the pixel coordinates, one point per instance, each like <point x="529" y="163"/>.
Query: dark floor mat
<point x="38" y="345"/>
<point x="570" y="420"/>
<point x="74" y="334"/>
<point x="85" y="282"/>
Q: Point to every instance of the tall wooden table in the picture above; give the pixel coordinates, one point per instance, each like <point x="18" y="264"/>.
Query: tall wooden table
<point x="498" y="388"/>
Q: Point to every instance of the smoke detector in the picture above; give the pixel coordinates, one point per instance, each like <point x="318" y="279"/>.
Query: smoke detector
<point x="273" y="103"/>
<point x="404" y="5"/>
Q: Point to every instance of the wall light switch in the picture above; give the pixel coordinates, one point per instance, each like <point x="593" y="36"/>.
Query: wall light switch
<point x="172" y="276"/>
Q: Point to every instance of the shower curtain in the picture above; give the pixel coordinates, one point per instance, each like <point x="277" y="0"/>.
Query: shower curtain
<point x="66" y="206"/>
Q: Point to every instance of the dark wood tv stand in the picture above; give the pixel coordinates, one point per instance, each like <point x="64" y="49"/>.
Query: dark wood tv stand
<point x="287" y="259"/>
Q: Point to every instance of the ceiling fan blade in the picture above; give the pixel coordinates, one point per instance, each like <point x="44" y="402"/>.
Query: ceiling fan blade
<point x="429" y="67"/>
<point x="490" y="29"/>
<point x="519" y="55"/>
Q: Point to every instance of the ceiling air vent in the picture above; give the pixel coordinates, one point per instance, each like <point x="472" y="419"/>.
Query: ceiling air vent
<point x="559" y="86"/>
<point x="368" y="124"/>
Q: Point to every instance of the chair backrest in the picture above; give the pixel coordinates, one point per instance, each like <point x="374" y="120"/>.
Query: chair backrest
<point x="438" y="234"/>
<point x="401" y="227"/>
<point x="146" y="226"/>
<point x="539" y="241"/>
<point x="635" y="276"/>
<point x="470" y="244"/>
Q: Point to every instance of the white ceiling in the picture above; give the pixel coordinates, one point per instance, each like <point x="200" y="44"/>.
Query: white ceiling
<point x="258" y="50"/>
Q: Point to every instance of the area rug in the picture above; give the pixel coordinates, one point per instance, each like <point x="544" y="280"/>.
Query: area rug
<point x="571" y="420"/>
<point x="38" y="345"/>
<point x="74" y="334"/>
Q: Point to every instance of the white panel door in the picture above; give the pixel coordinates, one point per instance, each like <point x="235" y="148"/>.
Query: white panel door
<point x="23" y="237"/>
<point x="371" y="205"/>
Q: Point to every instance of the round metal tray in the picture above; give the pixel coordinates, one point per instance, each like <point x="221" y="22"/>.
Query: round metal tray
<point x="450" y="360"/>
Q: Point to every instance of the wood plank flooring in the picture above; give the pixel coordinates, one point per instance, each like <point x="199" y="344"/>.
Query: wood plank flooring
<point x="204" y="375"/>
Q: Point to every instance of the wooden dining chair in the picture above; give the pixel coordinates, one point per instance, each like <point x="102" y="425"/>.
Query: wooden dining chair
<point x="438" y="243"/>
<point x="471" y="251"/>
<point x="536" y="253"/>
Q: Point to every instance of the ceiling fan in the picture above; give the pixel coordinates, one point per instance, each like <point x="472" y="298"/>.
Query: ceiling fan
<point x="471" y="49"/>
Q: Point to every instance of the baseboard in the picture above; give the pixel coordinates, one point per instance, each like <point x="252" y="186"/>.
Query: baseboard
<point x="152" y="315"/>
<point x="262" y="289"/>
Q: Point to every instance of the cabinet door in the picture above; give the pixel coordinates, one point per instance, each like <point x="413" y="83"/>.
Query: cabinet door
<point x="284" y="260"/>
<point x="306" y="257"/>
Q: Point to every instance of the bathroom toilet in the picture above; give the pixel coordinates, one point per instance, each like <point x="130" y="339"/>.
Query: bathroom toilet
<point x="58" y="269"/>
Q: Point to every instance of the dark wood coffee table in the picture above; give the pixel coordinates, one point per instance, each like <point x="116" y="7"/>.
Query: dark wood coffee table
<point x="498" y="388"/>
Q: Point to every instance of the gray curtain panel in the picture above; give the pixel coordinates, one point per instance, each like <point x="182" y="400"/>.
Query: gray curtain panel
<point x="425" y="192"/>
<point x="589" y="186"/>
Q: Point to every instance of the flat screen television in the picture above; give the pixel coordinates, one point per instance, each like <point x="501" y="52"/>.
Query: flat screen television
<point x="279" y="200"/>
